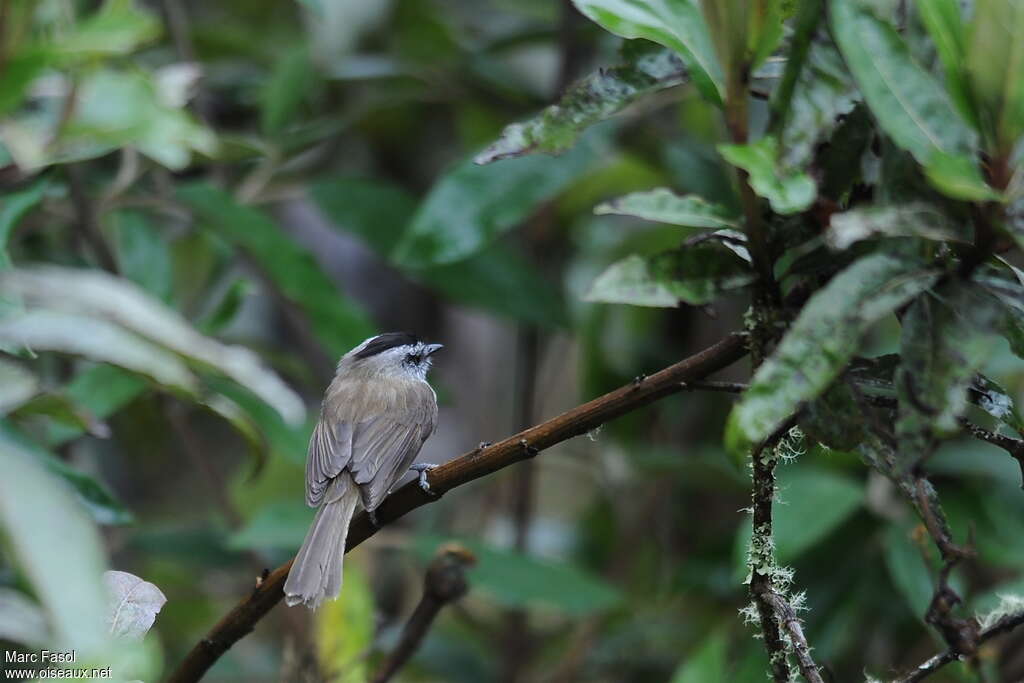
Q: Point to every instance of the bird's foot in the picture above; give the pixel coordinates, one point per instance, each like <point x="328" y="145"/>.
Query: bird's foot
<point x="423" y="468"/>
<point x="372" y="514"/>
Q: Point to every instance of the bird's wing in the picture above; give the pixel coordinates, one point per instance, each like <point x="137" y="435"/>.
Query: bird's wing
<point x="376" y="449"/>
<point x="384" y="447"/>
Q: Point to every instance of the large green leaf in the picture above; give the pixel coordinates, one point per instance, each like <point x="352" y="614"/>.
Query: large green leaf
<point x="677" y="24"/>
<point x="142" y="253"/>
<point x="13" y="208"/>
<point x="289" y="83"/>
<point x="593" y="99"/>
<point x="995" y="69"/>
<point x="279" y="524"/>
<point x="664" y="206"/>
<point x="100" y="391"/>
<point x="811" y="503"/>
<point x="516" y="580"/>
<point x="56" y="547"/>
<point x="946" y="27"/>
<point x="945" y="340"/>
<point x="910" y="105"/>
<point x="907" y="568"/>
<point x="125" y="315"/>
<point x="471" y="205"/>
<point x="788" y="191"/>
<point x="119" y="27"/>
<point x="821" y="341"/>
<point x="498" y="278"/>
<point x="708" y="663"/>
<point x="102" y="505"/>
<point x="898" y="220"/>
<point x="338" y="323"/>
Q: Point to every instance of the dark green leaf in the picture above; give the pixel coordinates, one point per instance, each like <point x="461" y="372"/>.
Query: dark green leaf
<point x="907" y="568"/>
<point x="909" y="104"/>
<point x="289" y="83"/>
<point x="117" y="28"/>
<point x="279" y="524"/>
<point x="374" y="210"/>
<point x="20" y="70"/>
<point x="516" y="580"/>
<point x="821" y="341"/>
<point x="13" y="208"/>
<point x="708" y="663"/>
<point x="834" y="419"/>
<point x="678" y="25"/>
<point x="338" y="324"/>
<point x="142" y="254"/>
<point x="897" y="220"/>
<point x="664" y="206"/>
<point x="995" y="70"/>
<point x="788" y="191"/>
<point x="99" y="391"/>
<point x="471" y="205"/>
<point x="946" y="28"/>
<point x="97" y="499"/>
<point x="595" y="98"/>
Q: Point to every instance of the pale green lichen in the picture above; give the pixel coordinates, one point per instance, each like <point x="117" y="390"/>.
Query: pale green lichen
<point x="1009" y="605"/>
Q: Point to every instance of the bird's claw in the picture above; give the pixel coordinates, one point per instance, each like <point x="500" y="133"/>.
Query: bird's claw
<point x="423" y="468"/>
<point x="372" y="514"/>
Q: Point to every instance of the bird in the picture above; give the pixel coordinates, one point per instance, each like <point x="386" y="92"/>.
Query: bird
<point x="375" y="416"/>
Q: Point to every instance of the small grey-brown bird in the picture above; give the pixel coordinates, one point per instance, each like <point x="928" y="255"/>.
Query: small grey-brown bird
<point x="375" y="416"/>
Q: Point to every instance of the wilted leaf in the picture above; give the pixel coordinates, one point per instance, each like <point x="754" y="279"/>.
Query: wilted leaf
<point x="108" y="298"/>
<point x="133" y="604"/>
<point x="13" y="208"/>
<point x="821" y="341"/>
<point x="896" y="220"/>
<point x="94" y="496"/>
<point x="337" y="322"/>
<point x="788" y="191"/>
<point x="471" y="205"/>
<point x="910" y="105"/>
<point x="56" y="547"/>
<point x="516" y="580"/>
<point x="595" y="98"/>
<point x="664" y="206"/>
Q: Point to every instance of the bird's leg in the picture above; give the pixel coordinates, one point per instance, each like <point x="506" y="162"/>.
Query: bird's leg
<point x="372" y="514"/>
<point x="423" y="468"/>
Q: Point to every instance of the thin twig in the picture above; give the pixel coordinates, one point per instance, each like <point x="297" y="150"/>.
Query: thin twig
<point x="786" y="615"/>
<point x="925" y="669"/>
<point x="473" y="465"/>
<point x="445" y="582"/>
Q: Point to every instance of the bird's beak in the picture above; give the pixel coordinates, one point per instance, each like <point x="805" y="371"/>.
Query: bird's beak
<point x="431" y="349"/>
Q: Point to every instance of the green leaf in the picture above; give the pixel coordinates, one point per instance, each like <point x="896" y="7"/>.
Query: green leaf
<point x="910" y="105"/>
<point x="119" y="27"/>
<point x="41" y="521"/>
<point x="593" y="99"/>
<point x="116" y="309"/>
<point x="100" y="391"/>
<point x="946" y="27"/>
<point x="708" y="663"/>
<point x="14" y="207"/>
<point x="663" y="206"/>
<point x="958" y="177"/>
<point x="279" y="525"/>
<point x="821" y="341"/>
<point x="17" y="385"/>
<point x="995" y="70"/>
<point x="96" y="339"/>
<point x="823" y="94"/>
<point x="678" y="25"/>
<point x="828" y="419"/>
<point x="337" y="323"/>
<point x="471" y="205"/>
<point x="945" y="340"/>
<point x="290" y="82"/>
<point x="20" y="70"/>
<point x="497" y="279"/>
<point x="812" y="503"/>
<point x="631" y="281"/>
<point x="142" y="254"/>
<point x="896" y="220"/>
<point x="788" y="191"/>
<point x="516" y="580"/>
<point x="908" y="569"/>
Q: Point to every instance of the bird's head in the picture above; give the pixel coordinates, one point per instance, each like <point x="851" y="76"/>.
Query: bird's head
<point x="395" y="354"/>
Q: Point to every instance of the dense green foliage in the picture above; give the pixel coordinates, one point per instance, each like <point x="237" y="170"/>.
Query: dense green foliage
<point x="202" y="205"/>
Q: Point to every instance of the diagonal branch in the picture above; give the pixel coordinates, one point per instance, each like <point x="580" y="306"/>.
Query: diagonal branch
<point x="473" y="465"/>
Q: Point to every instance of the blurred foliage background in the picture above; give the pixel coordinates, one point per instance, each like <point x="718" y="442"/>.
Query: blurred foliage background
<point x="202" y="205"/>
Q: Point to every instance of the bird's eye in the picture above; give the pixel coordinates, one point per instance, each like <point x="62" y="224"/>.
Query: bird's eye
<point x="412" y="359"/>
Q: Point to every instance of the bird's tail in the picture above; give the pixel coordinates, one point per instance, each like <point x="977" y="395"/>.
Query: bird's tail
<point x="316" y="571"/>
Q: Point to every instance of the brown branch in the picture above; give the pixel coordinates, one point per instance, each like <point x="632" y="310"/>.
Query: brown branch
<point x="471" y="466"/>
<point x="925" y="669"/>
<point x="445" y="582"/>
<point x="787" y="617"/>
